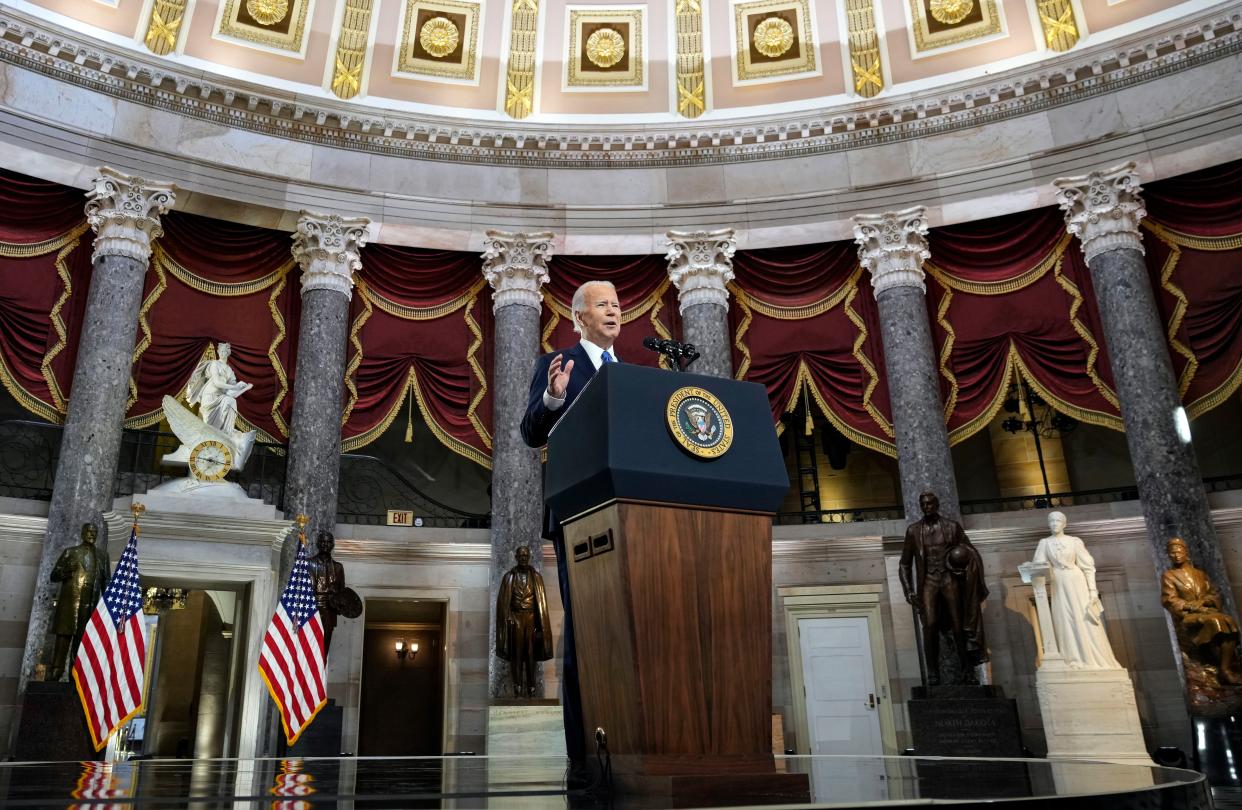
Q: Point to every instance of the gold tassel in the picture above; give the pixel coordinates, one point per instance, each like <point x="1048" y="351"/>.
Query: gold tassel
<point x="409" y="418"/>
<point x="806" y="392"/>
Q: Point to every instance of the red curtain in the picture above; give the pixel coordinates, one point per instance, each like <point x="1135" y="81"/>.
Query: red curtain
<point x="1193" y="242"/>
<point x="805" y="325"/>
<point x="647" y="297"/>
<point x="213" y="281"/>
<point x="1012" y="294"/>
<point x="417" y="329"/>
<point x="45" y="271"/>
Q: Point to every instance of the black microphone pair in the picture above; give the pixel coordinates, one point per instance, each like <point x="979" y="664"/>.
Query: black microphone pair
<point x="681" y="354"/>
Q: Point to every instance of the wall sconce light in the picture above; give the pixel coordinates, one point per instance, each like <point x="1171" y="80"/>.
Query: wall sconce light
<point x="404" y="649"/>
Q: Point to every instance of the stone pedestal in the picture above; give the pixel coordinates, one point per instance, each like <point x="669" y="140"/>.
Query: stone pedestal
<point x="700" y="264"/>
<point x="53" y="725"/>
<point x="322" y="738"/>
<point x="525" y="747"/>
<point x="893" y="247"/>
<point x="1090" y="714"/>
<point x="516" y="266"/>
<point x="964" y="721"/>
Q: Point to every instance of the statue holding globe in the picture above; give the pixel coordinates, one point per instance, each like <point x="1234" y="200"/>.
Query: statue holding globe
<point x="941" y="575"/>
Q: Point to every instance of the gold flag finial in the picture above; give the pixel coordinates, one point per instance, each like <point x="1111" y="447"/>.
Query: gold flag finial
<point x="136" y="509"/>
<point x="302" y="520"/>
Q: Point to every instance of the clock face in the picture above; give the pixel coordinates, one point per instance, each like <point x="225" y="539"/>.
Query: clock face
<point x="210" y="461"/>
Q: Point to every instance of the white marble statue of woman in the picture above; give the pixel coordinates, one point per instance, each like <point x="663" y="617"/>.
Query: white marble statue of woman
<point x="214" y="388"/>
<point x="1077" y="615"/>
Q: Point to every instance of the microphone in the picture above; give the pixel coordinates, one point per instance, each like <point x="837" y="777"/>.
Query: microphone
<point x="655" y="344"/>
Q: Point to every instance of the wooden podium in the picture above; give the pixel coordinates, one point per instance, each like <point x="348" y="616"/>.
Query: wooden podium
<point x="670" y="568"/>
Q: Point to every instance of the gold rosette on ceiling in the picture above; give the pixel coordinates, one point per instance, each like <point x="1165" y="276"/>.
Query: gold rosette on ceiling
<point x="439" y="37"/>
<point x="950" y="12"/>
<point x="267" y="12"/>
<point x="605" y="48"/>
<point x="773" y="37"/>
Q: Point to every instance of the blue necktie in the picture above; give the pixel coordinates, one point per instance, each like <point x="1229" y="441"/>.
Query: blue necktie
<point x="606" y="358"/>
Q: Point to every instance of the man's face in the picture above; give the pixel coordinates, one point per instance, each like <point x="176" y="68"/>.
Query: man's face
<point x="89" y="533"/>
<point x="523" y="557"/>
<point x="601" y="316"/>
<point x="1177" y="553"/>
<point x="930" y="504"/>
<point x="326" y="543"/>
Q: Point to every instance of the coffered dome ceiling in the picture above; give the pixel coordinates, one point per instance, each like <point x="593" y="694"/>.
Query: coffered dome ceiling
<point x="565" y="62"/>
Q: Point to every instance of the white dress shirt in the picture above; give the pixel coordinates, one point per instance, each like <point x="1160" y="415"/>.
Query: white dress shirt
<point x="596" y="355"/>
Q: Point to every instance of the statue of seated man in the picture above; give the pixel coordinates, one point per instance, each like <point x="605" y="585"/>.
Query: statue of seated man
<point x="1208" y="635"/>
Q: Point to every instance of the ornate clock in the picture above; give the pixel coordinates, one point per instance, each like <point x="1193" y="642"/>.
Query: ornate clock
<point x="210" y="460"/>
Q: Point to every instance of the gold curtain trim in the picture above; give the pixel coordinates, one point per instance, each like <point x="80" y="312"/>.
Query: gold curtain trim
<point x="456" y="445"/>
<point x="17" y="250"/>
<point x="545" y="339"/>
<point x="858" y="322"/>
<point x="1100" y="418"/>
<point x="857" y="436"/>
<point x="161" y="284"/>
<point x="1084" y="333"/>
<point x="221" y="288"/>
<point x="636" y="311"/>
<point x="356" y="360"/>
<point x="58" y="325"/>
<point x="1205" y="243"/>
<point x="738" y="336"/>
<point x="274" y="359"/>
<point x="1218" y="396"/>
<point x="801" y="312"/>
<point x="1009" y="285"/>
<point x="946" y="351"/>
<point x="421" y="313"/>
<point x="27" y="400"/>
<point x="477" y="368"/>
<point x="968" y="429"/>
<point x="1179" y="312"/>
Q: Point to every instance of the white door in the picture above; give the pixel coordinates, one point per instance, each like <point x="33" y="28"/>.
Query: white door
<point x="841" y="707"/>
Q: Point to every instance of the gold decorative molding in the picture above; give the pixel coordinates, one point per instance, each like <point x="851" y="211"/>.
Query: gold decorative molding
<point x="276" y="24"/>
<point x="439" y="40"/>
<point x="351" y="48"/>
<point x="520" y="75"/>
<point x="691" y="84"/>
<point x="164" y="26"/>
<point x="773" y="39"/>
<point x="864" y="42"/>
<point x="606" y="50"/>
<point x="942" y="23"/>
<point x="1059" y="24"/>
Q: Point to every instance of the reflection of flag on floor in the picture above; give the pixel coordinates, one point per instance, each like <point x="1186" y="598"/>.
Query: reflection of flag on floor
<point x="290" y="783"/>
<point x="103" y="780"/>
<point x="113" y="651"/>
<point x="292" y="662"/>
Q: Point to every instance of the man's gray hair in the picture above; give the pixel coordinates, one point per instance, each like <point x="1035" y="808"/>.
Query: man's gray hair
<point x="579" y="302"/>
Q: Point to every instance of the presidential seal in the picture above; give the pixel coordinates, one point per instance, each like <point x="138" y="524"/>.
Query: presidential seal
<point x="699" y="422"/>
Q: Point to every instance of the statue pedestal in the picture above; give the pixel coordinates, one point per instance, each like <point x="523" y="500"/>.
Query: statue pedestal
<point x="53" y="725"/>
<point x="322" y="738"/>
<point x="525" y="745"/>
<point x="1090" y="714"/>
<point x="964" y="721"/>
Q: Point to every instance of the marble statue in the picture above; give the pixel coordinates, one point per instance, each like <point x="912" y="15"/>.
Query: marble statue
<point x="331" y="596"/>
<point x="948" y="592"/>
<point x="1207" y="635"/>
<point x="523" y="630"/>
<point x="82" y="572"/>
<point x="214" y="388"/>
<point x="1077" y="615"/>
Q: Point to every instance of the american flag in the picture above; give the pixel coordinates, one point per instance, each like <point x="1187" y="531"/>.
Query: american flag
<point x="292" y="662"/>
<point x="108" y="670"/>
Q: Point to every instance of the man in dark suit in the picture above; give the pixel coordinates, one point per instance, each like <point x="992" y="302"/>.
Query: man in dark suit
<point x="558" y="379"/>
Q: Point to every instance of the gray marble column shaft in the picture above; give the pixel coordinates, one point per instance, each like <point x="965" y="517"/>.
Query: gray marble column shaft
<point x="124" y="212"/>
<point x="516" y="267"/>
<point x="1104" y="209"/>
<point x="893" y="246"/>
<point x="700" y="264"/>
<point x="327" y="249"/>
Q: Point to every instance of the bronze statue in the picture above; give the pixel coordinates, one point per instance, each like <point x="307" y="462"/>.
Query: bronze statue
<point x="82" y="572"/>
<point x="523" y="630"/>
<point x="1208" y="636"/>
<point x="949" y="591"/>
<point x="331" y="596"/>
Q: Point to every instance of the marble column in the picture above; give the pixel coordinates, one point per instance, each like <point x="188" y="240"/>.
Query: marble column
<point x="125" y="215"/>
<point x="700" y="264"/>
<point x="1103" y="210"/>
<point x="516" y="266"/>
<point x="326" y="247"/>
<point x="893" y="247"/>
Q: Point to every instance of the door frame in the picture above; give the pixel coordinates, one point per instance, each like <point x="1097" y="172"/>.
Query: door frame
<point x="837" y="602"/>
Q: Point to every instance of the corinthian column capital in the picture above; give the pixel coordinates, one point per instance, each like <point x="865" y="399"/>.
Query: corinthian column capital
<point x="516" y="265"/>
<point x="1103" y="209"/>
<point x="125" y="213"/>
<point x="327" y="247"/>
<point x="893" y="246"/>
<point x="700" y="264"/>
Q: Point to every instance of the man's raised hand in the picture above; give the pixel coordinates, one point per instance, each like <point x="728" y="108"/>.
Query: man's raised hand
<point x="558" y="378"/>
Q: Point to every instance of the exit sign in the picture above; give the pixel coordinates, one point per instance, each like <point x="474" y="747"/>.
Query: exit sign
<point x="400" y="517"/>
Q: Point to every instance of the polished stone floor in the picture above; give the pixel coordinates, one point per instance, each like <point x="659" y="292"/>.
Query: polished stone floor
<point x="536" y="784"/>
